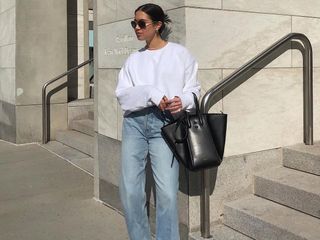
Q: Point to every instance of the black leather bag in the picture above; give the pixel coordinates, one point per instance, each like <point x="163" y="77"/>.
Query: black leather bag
<point x="197" y="140"/>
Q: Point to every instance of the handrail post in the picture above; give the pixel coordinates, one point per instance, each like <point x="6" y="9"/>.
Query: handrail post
<point x="205" y="204"/>
<point x="307" y="92"/>
<point x="44" y="116"/>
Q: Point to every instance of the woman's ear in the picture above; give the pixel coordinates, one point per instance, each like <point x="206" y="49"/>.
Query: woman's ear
<point x="158" y="25"/>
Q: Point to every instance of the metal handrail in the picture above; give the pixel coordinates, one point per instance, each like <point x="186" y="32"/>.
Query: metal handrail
<point x="45" y="102"/>
<point x="215" y="94"/>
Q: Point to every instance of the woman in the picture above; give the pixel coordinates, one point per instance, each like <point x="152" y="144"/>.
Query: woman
<point x="158" y="78"/>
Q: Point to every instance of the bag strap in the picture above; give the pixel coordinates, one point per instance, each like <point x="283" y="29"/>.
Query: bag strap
<point x="196" y="102"/>
<point x="184" y="122"/>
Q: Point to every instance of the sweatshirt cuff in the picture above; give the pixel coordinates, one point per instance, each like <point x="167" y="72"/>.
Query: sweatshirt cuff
<point x="156" y="96"/>
<point x="187" y="101"/>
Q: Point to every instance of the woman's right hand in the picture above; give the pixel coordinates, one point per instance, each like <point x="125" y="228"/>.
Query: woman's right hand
<point x="163" y="103"/>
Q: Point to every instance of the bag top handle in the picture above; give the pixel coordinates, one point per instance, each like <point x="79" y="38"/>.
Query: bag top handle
<point x="195" y="98"/>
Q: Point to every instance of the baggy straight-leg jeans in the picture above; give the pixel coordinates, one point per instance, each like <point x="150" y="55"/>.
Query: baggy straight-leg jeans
<point x="141" y="134"/>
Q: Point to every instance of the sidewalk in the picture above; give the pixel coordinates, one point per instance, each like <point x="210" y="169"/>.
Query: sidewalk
<point x="43" y="197"/>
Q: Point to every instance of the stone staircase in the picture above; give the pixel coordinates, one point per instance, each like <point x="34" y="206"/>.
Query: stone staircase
<point x="285" y="204"/>
<point x="76" y="144"/>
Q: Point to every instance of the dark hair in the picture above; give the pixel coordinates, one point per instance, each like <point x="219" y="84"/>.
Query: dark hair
<point x="156" y="14"/>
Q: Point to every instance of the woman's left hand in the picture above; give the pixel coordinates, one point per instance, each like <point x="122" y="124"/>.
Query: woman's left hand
<point x="174" y="105"/>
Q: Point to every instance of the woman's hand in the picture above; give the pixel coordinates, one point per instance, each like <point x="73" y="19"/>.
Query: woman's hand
<point x="174" y="105"/>
<point x="163" y="103"/>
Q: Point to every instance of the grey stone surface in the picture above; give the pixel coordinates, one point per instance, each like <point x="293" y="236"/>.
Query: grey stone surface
<point x="233" y="37"/>
<point x="295" y="189"/>
<point x="264" y="111"/>
<point x="232" y="180"/>
<point x="81" y="102"/>
<point x="8" y="56"/>
<point x="81" y="160"/>
<point x="85" y="126"/>
<point x="208" y="78"/>
<point x="7" y="85"/>
<point x="303" y="25"/>
<point x="220" y="232"/>
<point x="109" y="159"/>
<point x="178" y="26"/>
<point x="7" y="121"/>
<point x="8" y="27"/>
<point x="77" y="140"/>
<point x="294" y="7"/>
<point x="45" y="197"/>
<point x="303" y="157"/>
<point x="43" y="23"/>
<point x="263" y="219"/>
<point x="6" y="4"/>
<point x="79" y="109"/>
<point x="115" y="10"/>
<point x="107" y="109"/>
<point x="91" y="115"/>
<point x="116" y="41"/>
<point x="204" y="3"/>
<point x="29" y="122"/>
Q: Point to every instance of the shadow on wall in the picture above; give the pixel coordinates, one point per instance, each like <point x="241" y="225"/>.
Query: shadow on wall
<point x="7" y="121"/>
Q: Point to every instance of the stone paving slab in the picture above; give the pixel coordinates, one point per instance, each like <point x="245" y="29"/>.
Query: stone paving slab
<point x="81" y="160"/>
<point x="44" y="197"/>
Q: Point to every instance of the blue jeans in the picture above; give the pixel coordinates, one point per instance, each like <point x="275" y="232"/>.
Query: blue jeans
<point x="141" y="134"/>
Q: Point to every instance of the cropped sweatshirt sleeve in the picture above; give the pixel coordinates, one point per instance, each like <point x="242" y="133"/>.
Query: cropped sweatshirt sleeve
<point x="192" y="85"/>
<point x="133" y="98"/>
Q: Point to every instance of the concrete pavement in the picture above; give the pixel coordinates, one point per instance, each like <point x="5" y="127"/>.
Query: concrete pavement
<point x="43" y="197"/>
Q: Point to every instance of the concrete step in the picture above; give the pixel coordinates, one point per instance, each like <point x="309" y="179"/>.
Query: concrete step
<point x="85" y="126"/>
<point x="262" y="219"/>
<point x="292" y="188"/>
<point x="303" y="157"/>
<point x="75" y="157"/>
<point x="81" y="102"/>
<point x="91" y="115"/>
<point x="220" y="232"/>
<point x="80" y="109"/>
<point x="82" y="142"/>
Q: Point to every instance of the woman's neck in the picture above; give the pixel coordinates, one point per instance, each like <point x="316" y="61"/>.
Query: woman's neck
<point x="156" y="43"/>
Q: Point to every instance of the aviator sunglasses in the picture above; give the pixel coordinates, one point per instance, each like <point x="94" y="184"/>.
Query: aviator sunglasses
<point x="141" y="23"/>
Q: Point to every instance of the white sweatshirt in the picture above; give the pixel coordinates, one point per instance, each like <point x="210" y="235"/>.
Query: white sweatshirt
<point x="149" y="75"/>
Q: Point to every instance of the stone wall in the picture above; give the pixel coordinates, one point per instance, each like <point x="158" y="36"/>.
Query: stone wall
<point x="41" y="50"/>
<point x="264" y="113"/>
<point x="7" y="69"/>
<point x="265" y="109"/>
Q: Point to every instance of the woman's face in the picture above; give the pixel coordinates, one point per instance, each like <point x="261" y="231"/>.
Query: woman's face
<point x="145" y="29"/>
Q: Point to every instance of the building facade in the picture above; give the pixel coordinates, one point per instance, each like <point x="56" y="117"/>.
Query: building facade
<point x="39" y="40"/>
<point x="264" y="113"/>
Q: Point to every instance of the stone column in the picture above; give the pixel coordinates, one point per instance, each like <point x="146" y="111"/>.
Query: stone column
<point x="33" y="50"/>
<point x="83" y="48"/>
